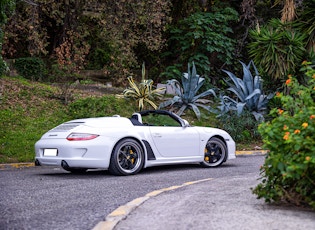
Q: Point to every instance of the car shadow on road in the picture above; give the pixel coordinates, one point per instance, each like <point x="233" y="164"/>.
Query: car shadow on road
<point x="182" y="167"/>
<point x="58" y="172"/>
<point x="65" y="174"/>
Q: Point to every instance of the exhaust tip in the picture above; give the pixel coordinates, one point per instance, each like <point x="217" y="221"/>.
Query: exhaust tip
<point x="64" y="165"/>
<point x="37" y="163"/>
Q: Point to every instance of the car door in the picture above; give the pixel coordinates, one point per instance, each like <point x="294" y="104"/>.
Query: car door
<point x="175" y="141"/>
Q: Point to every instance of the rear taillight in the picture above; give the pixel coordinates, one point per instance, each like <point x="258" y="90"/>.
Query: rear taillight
<point x="81" y="136"/>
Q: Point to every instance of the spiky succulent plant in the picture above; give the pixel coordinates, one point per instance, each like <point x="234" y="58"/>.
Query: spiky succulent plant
<point x="143" y="92"/>
<point x="186" y="93"/>
<point x="248" y="91"/>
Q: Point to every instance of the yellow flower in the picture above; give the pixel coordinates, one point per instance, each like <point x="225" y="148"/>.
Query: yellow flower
<point x="307" y="158"/>
<point x="304" y="125"/>
<point x="297" y="131"/>
<point x="285" y="127"/>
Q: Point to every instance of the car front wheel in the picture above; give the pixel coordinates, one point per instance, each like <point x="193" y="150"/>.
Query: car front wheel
<point x="127" y="158"/>
<point x="215" y="153"/>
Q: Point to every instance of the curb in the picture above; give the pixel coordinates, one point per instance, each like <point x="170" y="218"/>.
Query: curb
<point x="122" y="212"/>
<point x="251" y="152"/>
<point x="16" y="165"/>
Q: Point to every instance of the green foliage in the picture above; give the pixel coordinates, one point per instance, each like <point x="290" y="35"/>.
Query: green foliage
<point x="143" y="92"/>
<point x="98" y="58"/>
<point x="289" y="169"/>
<point x="243" y="127"/>
<point x="58" y="73"/>
<point x="306" y="23"/>
<point x="31" y="68"/>
<point x="99" y="107"/>
<point x="249" y="93"/>
<point x="3" y="66"/>
<point x="204" y="38"/>
<point x="172" y="72"/>
<point x="277" y="48"/>
<point x="20" y="131"/>
<point x="6" y="8"/>
<point x="186" y="94"/>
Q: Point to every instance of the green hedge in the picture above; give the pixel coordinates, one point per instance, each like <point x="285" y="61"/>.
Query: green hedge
<point x="31" y="68"/>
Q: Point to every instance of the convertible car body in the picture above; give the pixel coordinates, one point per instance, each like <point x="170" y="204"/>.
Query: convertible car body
<point x="126" y="145"/>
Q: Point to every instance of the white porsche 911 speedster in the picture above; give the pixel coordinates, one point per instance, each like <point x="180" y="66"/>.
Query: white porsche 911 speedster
<point x="126" y="145"/>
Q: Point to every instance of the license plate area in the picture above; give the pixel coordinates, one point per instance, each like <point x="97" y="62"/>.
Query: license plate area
<point x="50" y="152"/>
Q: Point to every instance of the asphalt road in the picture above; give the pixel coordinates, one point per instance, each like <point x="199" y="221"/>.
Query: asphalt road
<point x="50" y="198"/>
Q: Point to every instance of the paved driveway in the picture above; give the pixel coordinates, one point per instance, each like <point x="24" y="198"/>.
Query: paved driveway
<point x="50" y="198"/>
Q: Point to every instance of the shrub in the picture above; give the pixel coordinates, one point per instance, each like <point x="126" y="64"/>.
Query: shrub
<point x="31" y="68"/>
<point x="289" y="169"/>
<point x="98" y="58"/>
<point x="243" y="128"/>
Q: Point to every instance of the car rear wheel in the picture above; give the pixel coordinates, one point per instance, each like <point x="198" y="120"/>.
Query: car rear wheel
<point x="127" y="158"/>
<point x="215" y="153"/>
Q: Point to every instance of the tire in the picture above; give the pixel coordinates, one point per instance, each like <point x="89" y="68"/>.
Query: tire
<point x="215" y="153"/>
<point x="127" y="158"/>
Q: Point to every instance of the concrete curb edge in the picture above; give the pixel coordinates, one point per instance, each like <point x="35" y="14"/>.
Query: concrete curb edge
<point x="17" y="165"/>
<point x="251" y="152"/>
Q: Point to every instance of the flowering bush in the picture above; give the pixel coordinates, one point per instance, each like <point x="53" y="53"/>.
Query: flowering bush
<point x="288" y="173"/>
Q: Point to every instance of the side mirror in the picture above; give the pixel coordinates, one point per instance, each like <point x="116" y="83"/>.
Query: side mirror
<point x="185" y="123"/>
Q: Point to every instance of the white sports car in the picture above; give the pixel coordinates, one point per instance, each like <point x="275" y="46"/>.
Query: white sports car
<point x="126" y="145"/>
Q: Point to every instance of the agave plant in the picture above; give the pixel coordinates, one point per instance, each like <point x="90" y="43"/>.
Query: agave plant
<point x="143" y="91"/>
<point x="248" y="91"/>
<point x="186" y="93"/>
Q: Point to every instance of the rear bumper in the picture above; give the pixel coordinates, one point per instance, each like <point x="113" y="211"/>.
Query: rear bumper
<point x="77" y="154"/>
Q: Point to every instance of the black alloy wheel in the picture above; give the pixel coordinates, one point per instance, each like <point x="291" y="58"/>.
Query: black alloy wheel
<point x="215" y="153"/>
<point x="127" y="158"/>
